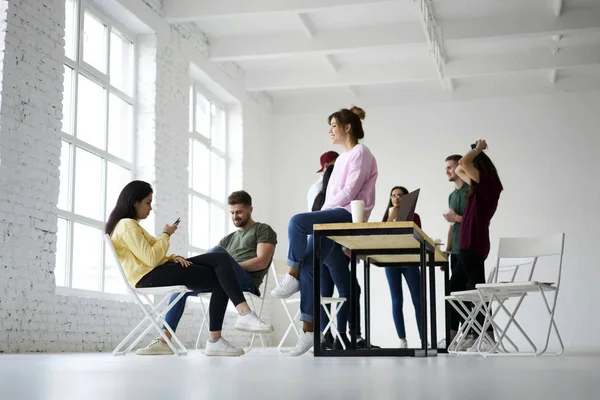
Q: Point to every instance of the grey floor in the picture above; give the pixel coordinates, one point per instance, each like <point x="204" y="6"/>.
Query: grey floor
<point x="273" y="376"/>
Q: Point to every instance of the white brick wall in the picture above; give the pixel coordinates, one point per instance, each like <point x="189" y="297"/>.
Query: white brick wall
<point x="32" y="317"/>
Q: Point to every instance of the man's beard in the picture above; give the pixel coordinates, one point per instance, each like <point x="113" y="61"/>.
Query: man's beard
<point x="240" y="222"/>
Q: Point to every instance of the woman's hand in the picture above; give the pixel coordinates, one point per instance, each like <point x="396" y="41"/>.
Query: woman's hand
<point x="182" y="261"/>
<point x="170" y="229"/>
<point x="481" y="145"/>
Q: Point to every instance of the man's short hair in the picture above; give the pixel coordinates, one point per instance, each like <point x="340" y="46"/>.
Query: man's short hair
<point x="454" y="157"/>
<point x="240" y="197"/>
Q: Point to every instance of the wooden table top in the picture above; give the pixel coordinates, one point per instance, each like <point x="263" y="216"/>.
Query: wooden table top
<point x="381" y="240"/>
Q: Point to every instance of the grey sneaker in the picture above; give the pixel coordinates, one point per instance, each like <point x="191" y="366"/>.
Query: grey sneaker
<point x="156" y="348"/>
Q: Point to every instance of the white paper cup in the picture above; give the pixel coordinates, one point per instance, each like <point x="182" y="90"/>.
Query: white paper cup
<point x="358" y="210"/>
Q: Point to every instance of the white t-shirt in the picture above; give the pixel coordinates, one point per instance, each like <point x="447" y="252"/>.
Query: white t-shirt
<point x="313" y="192"/>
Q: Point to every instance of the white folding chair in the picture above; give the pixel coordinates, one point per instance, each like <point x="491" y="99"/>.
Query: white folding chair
<point x="249" y="296"/>
<point x="154" y="313"/>
<point x="468" y="305"/>
<point x="490" y="293"/>
<point x="279" y="269"/>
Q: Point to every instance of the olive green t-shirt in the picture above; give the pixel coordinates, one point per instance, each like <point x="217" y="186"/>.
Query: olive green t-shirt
<point x="242" y="244"/>
<point x="458" y="201"/>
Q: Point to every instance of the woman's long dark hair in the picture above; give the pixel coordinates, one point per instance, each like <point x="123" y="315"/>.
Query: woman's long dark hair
<point x="133" y="192"/>
<point x="387" y="210"/>
<point x="320" y="199"/>
<point x="483" y="164"/>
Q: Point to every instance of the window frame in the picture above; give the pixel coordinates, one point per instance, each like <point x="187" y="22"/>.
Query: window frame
<point x="79" y="68"/>
<point x="194" y="89"/>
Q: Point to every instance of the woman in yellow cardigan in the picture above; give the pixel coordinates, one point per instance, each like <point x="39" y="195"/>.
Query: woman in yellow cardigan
<point x="146" y="264"/>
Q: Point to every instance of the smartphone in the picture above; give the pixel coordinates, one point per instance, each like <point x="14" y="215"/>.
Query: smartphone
<point x="178" y="220"/>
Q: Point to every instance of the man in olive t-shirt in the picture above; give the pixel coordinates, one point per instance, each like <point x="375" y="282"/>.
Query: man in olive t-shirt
<point x="251" y="246"/>
<point x="457" y="202"/>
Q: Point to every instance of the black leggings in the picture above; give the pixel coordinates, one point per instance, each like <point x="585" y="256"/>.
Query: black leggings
<point x="210" y="272"/>
<point x="469" y="271"/>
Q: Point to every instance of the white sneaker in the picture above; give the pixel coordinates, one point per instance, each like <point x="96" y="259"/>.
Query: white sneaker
<point x="466" y="344"/>
<point x="287" y="287"/>
<point x="156" y="348"/>
<point x="305" y="342"/>
<point x="403" y="344"/>
<point x="222" y="348"/>
<point x="251" y="323"/>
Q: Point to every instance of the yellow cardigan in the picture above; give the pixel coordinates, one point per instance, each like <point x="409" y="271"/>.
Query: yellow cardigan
<point x="137" y="250"/>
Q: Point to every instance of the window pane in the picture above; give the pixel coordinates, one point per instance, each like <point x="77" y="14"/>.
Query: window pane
<point x="191" y="108"/>
<point x="71" y="29"/>
<point x="65" y="168"/>
<point x="202" y="115"/>
<point x="61" y="253"/>
<point x="120" y="127"/>
<point x="217" y="177"/>
<point x="67" y="103"/>
<point x="87" y="253"/>
<point x="121" y="62"/>
<point x="199" y="223"/>
<point x="88" y="186"/>
<point x="190" y="164"/>
<point x="219" y="129"/>
<point x="200" y="170"/>
<point x="217" y="224"/>
<point x="91" y="113"/>
<point x="113" y="282"/>
<point x="116" y="179"/>
<point x="94" y="42"/>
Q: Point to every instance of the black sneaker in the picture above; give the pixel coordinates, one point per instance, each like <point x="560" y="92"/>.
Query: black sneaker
<point x="362" y="344"/>
<point x="337" y="345"/>
<point x="327" y="342"/>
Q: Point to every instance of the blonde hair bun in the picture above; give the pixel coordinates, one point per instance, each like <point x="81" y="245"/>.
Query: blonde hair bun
<point x="358" y="111"/>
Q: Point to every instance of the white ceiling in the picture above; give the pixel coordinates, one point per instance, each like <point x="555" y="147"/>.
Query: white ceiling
<point x="346" y="51"/>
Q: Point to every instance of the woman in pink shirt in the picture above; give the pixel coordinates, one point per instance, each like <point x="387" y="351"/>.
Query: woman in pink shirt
<point x="353" y="178"/>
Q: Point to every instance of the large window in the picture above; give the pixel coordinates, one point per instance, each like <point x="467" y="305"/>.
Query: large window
<point x="207" y="171"/>
<point x="97" y="144"/>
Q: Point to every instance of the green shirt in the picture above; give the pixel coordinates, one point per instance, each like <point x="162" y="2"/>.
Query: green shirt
<point x="242" y="244"/>
<point x="458" y="201"/>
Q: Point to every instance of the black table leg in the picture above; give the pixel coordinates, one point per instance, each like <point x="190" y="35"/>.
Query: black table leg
<point x="432" y="303"/>
<point x="317" y="294"/>
<point x="423" y="264"/>
<point x="353" y="305"/>
<point x="446" y="308"/>
<point x="368" y="302"/>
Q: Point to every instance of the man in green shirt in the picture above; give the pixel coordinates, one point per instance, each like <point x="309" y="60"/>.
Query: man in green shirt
<point x="252" y="247"/>
<point x="457" y="201"/>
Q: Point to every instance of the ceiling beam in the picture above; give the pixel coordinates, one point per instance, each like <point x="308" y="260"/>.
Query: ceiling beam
<point x="537" y="59"/>
<point x="323" y="43"/>
<point x="557" y="7"/>
<point x="309" y="27"/>
<point x="332" y="62"/>
<point x="197" y="10"/>
<point x="334" y="42"/>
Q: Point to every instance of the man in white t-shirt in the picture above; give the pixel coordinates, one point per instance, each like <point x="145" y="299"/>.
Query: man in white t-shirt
<point x="326" y="160"/>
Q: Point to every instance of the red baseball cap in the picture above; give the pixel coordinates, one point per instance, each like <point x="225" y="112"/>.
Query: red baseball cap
<point x="326" y="158"/>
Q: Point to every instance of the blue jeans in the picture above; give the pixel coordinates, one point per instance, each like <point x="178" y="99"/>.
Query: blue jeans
<point x="300" y="253"/>
<point x="394" y="277"/>
<point x="176" y="312"/>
